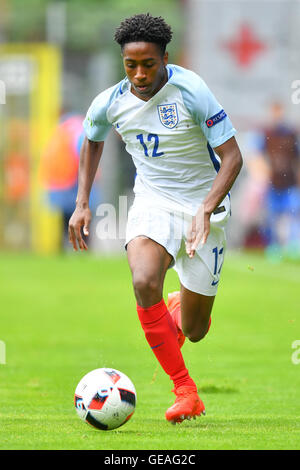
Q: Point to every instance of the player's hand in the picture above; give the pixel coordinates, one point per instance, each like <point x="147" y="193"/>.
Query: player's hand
<point x="81" y="218"/>
<point x="198" y="231"/>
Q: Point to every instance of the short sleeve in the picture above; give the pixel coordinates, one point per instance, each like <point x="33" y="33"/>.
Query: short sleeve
<point x="96" y="124"/>
<point x="205" y="109"/>
<point x="213" y="119"/>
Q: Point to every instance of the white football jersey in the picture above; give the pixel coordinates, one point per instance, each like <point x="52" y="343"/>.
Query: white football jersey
<point x="170" y="137"/>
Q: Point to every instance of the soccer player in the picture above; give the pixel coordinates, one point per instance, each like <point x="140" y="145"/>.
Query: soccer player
<point x="187" y="159"/>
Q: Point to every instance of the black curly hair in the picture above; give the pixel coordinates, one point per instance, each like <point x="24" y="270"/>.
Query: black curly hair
<point x="146" y="28"/>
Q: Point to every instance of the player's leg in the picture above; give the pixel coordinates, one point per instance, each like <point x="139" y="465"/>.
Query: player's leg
<point x="195" y="313"/>
<point x="199" y="278"/>
<point x="191" y="314"/>
<point x="149" y="262"/>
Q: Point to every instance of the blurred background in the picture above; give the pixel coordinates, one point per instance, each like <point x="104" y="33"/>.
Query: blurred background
<point x="56" y="56"/>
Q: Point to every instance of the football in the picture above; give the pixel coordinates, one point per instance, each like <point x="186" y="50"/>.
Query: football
<point x="105" y="398"/>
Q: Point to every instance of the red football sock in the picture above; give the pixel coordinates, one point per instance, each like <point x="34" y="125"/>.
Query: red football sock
<point x="161" y="334"/>
<point x="177" y="317"/>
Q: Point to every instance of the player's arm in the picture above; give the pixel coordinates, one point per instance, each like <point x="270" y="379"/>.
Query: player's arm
<point x="89" y="160"/>
<point x="231" y="164"/>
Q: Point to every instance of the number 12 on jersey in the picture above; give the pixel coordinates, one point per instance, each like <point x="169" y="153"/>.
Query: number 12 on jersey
<point x="155" y="152"/>
<point x="219" y="255"/>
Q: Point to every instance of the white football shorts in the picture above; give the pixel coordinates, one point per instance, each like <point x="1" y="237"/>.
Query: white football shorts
<point x="200" y="274"/>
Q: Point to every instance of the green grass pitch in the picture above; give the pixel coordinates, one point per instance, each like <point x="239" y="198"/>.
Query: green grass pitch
<point x="64" y="316"/>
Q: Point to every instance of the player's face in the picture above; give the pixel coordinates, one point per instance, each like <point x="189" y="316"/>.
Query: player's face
<point x="145" y="68"/>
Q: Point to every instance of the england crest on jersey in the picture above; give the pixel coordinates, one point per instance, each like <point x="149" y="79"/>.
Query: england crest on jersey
<point x="168" y="115"/>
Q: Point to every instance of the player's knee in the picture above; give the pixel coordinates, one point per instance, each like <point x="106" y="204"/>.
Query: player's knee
<point x="145" y="286"/>
<point x="194" y="338"/>
<point x="196" y="335"/>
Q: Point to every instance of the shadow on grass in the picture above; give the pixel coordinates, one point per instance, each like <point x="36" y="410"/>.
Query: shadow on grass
<point x="211" y="388"/>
